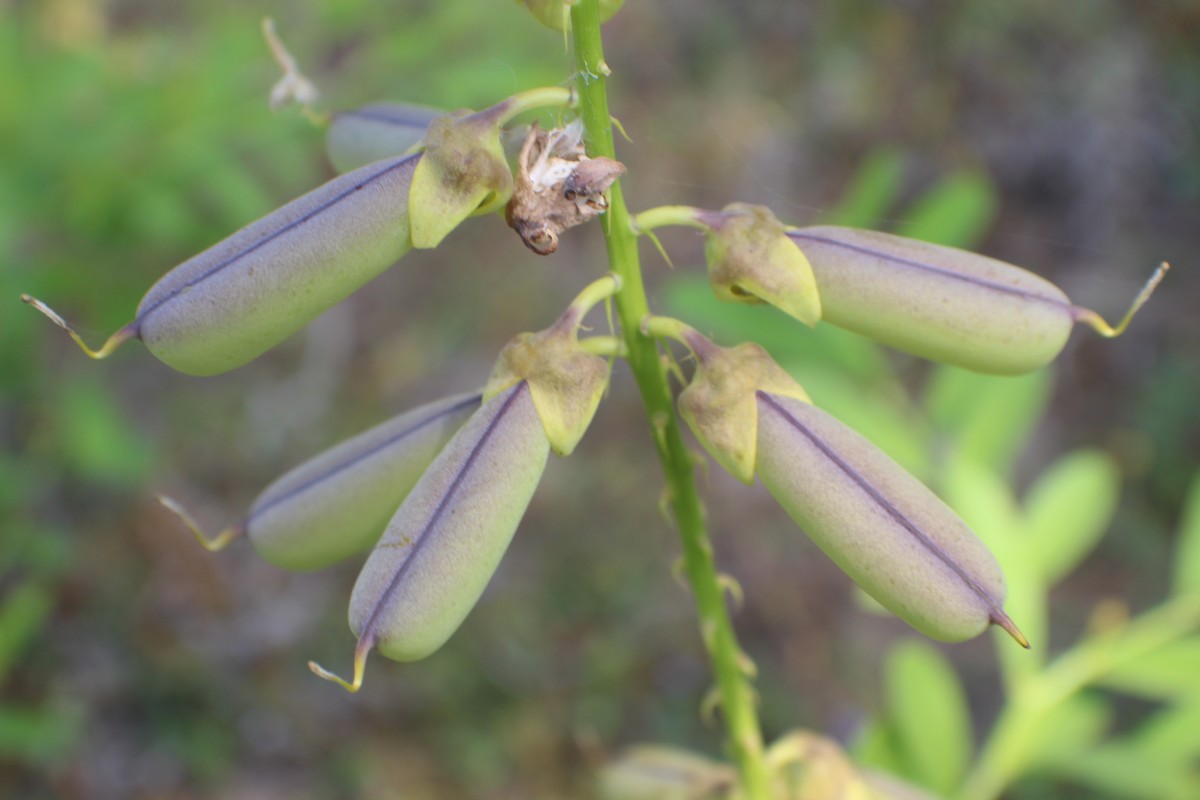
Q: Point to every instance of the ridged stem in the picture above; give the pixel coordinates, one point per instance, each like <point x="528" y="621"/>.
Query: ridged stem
<point x="737" y="696"/>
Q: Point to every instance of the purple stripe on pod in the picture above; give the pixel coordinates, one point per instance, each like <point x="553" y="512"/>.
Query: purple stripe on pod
<point x="443" y="544"/>
<point x="244" y="295"/>
<point x="937" y="302"/>
<point x="882" y="526"/>
<point x="337" y="503"/>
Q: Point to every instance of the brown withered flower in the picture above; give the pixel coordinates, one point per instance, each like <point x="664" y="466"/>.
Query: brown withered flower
<point x="557" y="186"/>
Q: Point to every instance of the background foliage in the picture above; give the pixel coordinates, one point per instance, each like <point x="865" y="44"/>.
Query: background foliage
<point x="1062" y="137"/>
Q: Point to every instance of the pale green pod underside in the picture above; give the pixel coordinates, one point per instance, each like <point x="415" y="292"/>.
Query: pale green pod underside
<point x="882" y="526"/>
<point x="937" y="302"/>
<point x="442" y="546"/>
<point x="377" y="131"/>
<point x="246" y="294"/>
<point x="339" y="502"/>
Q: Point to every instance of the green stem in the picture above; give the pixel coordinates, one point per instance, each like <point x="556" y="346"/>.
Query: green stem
<point x="737" y="696"/>
<point x="662" y="216"/>
<point x="1013" y="740"/>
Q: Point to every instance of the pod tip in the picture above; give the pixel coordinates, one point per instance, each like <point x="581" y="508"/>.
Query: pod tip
<point x="116" y="340"/>
<point x="360" y="665"/>
<point x="1102" y="327"/>
<point x="211" y="544"/>
<point x="1003" y="621"/>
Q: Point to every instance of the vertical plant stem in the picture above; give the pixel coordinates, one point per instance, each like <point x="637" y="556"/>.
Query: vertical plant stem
<point x="737" y="696"/>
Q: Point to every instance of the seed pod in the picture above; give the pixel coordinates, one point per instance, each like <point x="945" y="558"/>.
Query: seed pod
<point x="337" y="503"/>
<point x="374" y="132"/>
<point x="241" y="297"/>
<point x="882" y="526"/>
<point x="944" y="304"/>
<point x="445" y="541"/>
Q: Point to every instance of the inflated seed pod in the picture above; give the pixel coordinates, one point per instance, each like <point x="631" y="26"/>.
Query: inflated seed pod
<point x="944" y="304"/>
<point x="443" y="544"/>
<point x="338" y="503"/>
<point x="882" y="526"/>
<point x="446" y="539"/>
<point x="246" y="294"/>
<point x="891" y="534"/>
<point x="377" y="131"/>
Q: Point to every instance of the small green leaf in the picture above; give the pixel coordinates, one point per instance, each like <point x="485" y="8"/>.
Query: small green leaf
<point x="929" y="711"/>
<point x="1070" y="729"/>
<point x="1187" y="556"/>
<point x="1122" y="769"/>
<point x="987" y="417"/>
<point x="96" y="438"/>
<point x="871" y="192"/>
<point x="22" y="611"/>
<point x="1169" y="672"/>
<point x="877" y="745"/>
<point x="1172" y="736"/>
<point x="1068" y="510"/>
<point x="956" y="212"/>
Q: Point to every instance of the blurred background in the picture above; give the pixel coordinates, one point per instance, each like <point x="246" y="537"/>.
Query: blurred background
<point x="1064" y="137"/>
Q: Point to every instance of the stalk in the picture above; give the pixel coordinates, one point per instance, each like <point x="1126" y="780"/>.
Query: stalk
<point x="725" y="655"/>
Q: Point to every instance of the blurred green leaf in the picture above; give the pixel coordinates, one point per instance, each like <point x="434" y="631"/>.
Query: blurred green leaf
<point x="37" y="735"/>
<point x="1068" y="509"/>
<point x="1169" y="672"/>
<point x="877" y="746"/>
<point x="928" y="708"/>
<point x="691" y="299"/>
<point x="1121" y="768"/>
<point x="1187" y="553"/>
<point x="22" y="612"/>
<point x="956" y="212"/>
<point x="1172" y="736"/>
<point x="1071" y="728"/>
<point x="988" y="418"/>
<point x="96" y="439"/>
<point x="872" y="190"/>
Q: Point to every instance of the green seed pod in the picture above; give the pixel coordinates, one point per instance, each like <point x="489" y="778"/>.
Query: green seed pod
<point x="944" y="304"/>
<point x="891" y="534"/>
<point x="337" y="503"/>
<point x="882" y="526"/>
<point x="241" y="297"/>
<point x="375" y="132"/>
<point x="445" y="541"/>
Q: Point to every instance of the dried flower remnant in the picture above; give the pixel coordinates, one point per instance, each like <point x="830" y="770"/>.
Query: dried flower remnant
<point x="337" y="503"/>
<point x="557" y="186"/>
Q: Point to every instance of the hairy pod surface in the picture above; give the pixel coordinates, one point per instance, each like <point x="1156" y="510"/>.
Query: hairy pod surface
<point x="246" y="294"/>
<point x="937" y="302"/>
<point x="374" y="132"/>
<point x="443" y="544"/>
<point x="339" y="502"/>
<point x="882" y="526"/>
